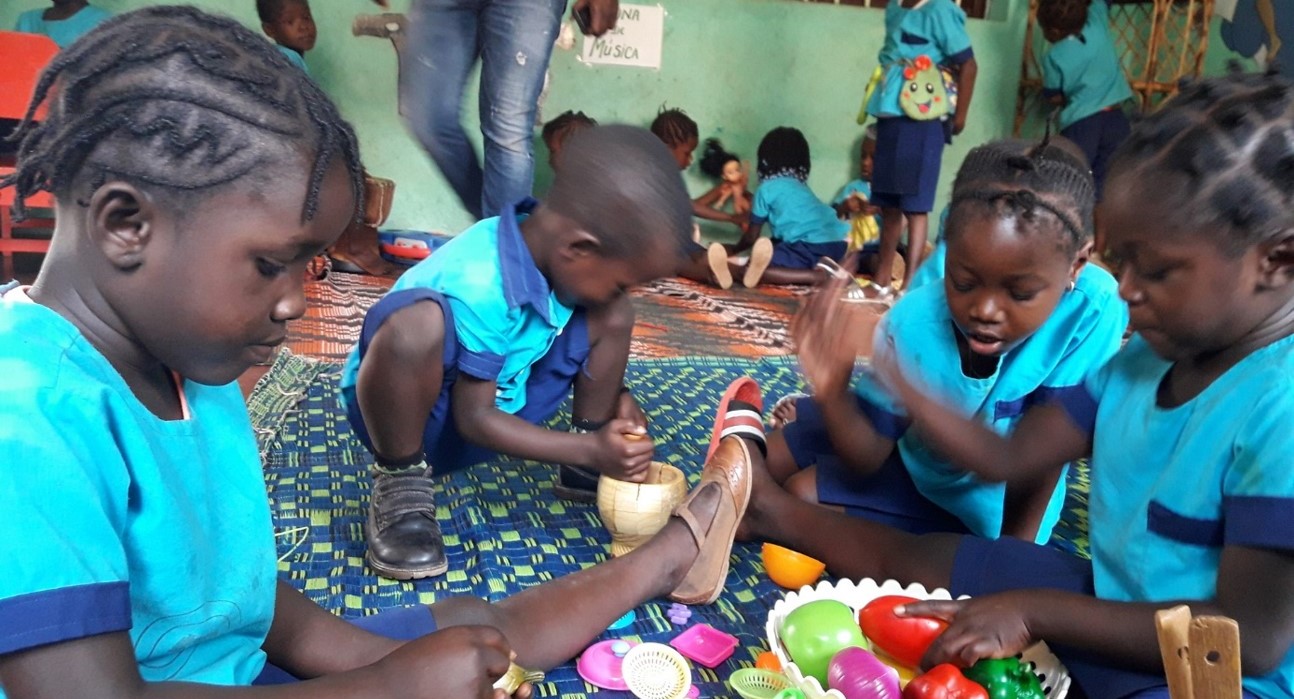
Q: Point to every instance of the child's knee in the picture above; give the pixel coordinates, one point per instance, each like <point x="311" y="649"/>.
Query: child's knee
<point x="804" y="485"/>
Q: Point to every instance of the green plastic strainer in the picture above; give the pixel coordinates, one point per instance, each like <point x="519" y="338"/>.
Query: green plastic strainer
<point x="757" y="683"/>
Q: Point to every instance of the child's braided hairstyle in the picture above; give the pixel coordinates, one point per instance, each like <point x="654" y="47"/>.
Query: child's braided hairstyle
<point x="180" y="100"/>
<point x="1220" y="157"/>
<point x="673" y="126"/>
<point x="1038" y="184"/>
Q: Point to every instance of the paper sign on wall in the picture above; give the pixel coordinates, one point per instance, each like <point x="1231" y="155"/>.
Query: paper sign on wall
<point x="635" y="41"/>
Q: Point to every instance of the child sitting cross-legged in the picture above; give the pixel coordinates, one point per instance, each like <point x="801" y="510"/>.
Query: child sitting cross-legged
<point x="1187" y="427"/>
<point x="1019" y="317"/>
<point x="476" y="347"/>
<point x="146" y="562"/>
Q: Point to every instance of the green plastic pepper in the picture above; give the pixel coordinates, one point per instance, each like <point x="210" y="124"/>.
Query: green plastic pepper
<point x="1006" y="678"/>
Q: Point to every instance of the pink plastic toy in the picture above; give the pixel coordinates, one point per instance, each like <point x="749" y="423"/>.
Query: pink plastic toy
<point x="858" y="674"/>
<point x="600" y="664"/>
<point x="705" y="644"/>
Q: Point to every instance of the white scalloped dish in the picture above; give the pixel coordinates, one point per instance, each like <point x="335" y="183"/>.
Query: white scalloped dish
<point x="856" y="595"/>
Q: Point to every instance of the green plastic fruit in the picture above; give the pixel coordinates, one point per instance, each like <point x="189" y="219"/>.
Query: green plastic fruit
<point x="814" y="632"/>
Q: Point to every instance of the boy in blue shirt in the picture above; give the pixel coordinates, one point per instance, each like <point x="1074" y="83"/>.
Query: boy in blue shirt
<point x="1082" y="75"/>
<point x="854" y="202"/>
<point x="65" y="22"/>
<point x="476" y="347"/>
<point x="291" y="25"/>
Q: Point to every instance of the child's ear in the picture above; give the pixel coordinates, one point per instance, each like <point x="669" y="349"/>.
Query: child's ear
<point x="1080" y="260"/>
<point x="121" y="223"/>
<point x="581" y="243"/>
<point x="1277" y="263"/>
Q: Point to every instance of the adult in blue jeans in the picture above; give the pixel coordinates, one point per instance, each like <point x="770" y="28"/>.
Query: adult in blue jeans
<point x="513" y="40"/>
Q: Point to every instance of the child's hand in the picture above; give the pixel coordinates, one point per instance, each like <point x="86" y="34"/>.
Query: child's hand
<point x="959" y="122"/>
<point x="993" y="626"/>
<point x="623" y="450"/>
<point x="627" y="408"/>
<point x="830" y="334"/>
<point x="460" y="661"/>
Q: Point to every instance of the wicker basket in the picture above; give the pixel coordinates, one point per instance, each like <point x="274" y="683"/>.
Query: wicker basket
<point x="634" y="512"/>
<point x="1050" y="671"/>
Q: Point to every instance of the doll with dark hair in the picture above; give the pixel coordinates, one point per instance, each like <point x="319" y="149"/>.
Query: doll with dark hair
<point x="730" y="174"/>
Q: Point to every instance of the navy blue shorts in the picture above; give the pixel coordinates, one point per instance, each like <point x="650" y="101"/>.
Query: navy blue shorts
<point x="400" y="623"/>
<point x="887" y="497"/>
<point x="905" y="173"/>
<point x="1099" y="135"/>
<point x="551" y="379"/>
<point x="984" y="567"/>
<point x="801" y="255"/>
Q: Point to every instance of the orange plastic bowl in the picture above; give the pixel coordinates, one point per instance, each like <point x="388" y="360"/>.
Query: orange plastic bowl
<point x="791" y="569"/>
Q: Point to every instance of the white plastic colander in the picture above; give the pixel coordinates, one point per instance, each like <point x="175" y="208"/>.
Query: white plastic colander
<point x="656" y="671"/>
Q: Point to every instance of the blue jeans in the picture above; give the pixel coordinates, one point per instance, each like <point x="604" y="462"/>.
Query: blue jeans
<point x="514" y="40"/>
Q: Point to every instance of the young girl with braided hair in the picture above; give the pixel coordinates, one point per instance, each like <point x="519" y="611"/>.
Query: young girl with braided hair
<point x="1018" y="316"/>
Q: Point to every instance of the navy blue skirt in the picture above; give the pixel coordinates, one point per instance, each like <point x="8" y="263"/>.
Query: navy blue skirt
<point x="905" y="173"/>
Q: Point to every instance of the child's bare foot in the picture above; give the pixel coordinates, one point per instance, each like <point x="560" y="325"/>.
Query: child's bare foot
<point x="784" y="410"/>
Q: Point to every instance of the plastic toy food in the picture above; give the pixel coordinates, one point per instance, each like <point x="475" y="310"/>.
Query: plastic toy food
<point x="516" y="675"/>
<point x="814" y="632"/>
<point x="944" y="682"/>
<point x="903" y="638"/>
<point x="791" y="569"/>
<point x="768" y="661"/>
<point x="1006" y="678"/>
<point x="857" y="674"/>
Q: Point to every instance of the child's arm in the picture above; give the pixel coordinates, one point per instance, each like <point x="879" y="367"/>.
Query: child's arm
<point x="308" y="641"/>
<point x="607" y="451"/>
<point x="1255" y="587"/>
<point x="966" y="74"/>
<point x="1026" y="504"/>
<point x="450" y="664"/>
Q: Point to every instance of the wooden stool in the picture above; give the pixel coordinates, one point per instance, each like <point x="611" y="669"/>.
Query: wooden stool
<point x="1201" y="654"/>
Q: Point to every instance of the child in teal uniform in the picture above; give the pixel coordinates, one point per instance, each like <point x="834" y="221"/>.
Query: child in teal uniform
<point x="854" y="202"/>
<point x="909" y="152"/>
<point x="503" y="321"/>
<point x="1188" y="427"/>
<point x="803" y="229"/>
<point x="1021" y="317"/>
<point x="65" y="22"/>
<point x="1081" y="73"/>
<point x="146" y="565"/>
<point x="292" y="27"/>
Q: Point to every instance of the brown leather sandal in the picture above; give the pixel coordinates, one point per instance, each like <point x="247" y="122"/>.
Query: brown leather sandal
<point x="729" y="469"/>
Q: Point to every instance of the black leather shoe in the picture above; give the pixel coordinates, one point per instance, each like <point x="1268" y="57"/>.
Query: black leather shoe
<point x="404" y="539"/>
<point x="578" y="484"/>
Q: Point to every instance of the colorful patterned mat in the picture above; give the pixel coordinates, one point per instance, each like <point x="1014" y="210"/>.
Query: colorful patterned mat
<point x="505" y="529"/>
<point x="676" y="318"/>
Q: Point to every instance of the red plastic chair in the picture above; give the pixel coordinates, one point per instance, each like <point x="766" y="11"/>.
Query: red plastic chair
<point x="22" y="58"/>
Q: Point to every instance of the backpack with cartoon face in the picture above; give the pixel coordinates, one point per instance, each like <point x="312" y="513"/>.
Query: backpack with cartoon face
<point x="929" y="91"/>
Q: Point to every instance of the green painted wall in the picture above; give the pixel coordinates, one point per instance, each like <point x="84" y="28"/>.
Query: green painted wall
<point x="739" y="67"/>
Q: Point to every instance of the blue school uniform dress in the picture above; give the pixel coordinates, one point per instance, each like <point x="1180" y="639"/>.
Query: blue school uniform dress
<point x="916" y="489"/>
<point x="909" y="152"/>
<point x="64" y="32"/>
<point x="803" y="228"/>
<point x="1085" y="70"/>
<point x="1171" y="486"/>
<point x="125" y="521"/>
<point x="502" y="323"/>
<point x="295" y="58"/>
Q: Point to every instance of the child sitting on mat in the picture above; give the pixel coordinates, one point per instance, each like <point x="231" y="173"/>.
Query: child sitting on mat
<point x="500" y="324"/>
<point x="146" y="565"/>
<point x="1019" y="317"/>
<point x="292" y="27"/>
<point x="1187" y="427"/>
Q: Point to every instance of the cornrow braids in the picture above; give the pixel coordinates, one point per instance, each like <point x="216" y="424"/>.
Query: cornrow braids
<point x="1066" y="16"/>
<point x="673" y="126"/>
<point x="784" y="151"/>
<point x="1035" y="183"/>
<point x="1221" y="156"/>
<point x="179" y="99"/>
<point x="562" y="124"/>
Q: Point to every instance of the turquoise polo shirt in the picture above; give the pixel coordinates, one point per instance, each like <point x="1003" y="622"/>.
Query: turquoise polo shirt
<point x="862" y="187"/>
<point x="1081" y="334"/>
<point x="123" y="521"/>
<point x="934" y="28"/>
<point x="1085" y="69"/>
<point x="506" y="316"/>
<point x="64" y="32"/>
<point x="794" y="213"/>
<point x="1171" y="487"/>
<point x="297" y="59"/>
